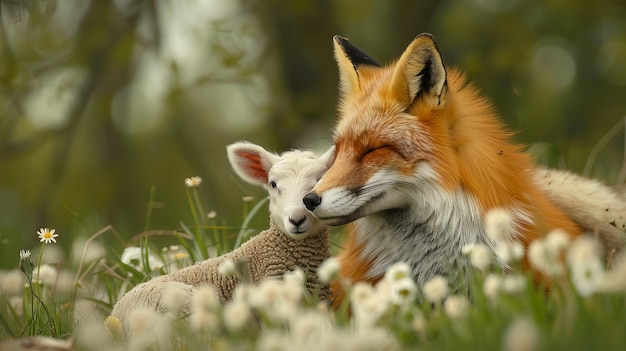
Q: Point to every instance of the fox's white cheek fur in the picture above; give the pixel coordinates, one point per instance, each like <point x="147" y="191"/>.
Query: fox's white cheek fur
<point x="387" y="189"/>
<point x="338" y="202"/>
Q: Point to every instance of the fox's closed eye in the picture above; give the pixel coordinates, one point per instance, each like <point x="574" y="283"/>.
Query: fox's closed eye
<point x="370" y="150"/>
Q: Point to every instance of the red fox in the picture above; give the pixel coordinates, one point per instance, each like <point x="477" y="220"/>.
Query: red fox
<point x="420" y="159"/>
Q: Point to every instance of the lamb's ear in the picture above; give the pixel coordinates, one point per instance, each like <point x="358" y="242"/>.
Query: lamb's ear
<point x="329" y="156"/>
<point x="251" y="162"/>
<point x="349" y="60"/>
<point x="420" y="74"/>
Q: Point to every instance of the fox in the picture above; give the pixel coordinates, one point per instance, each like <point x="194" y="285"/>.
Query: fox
<point x="420" y="158"/>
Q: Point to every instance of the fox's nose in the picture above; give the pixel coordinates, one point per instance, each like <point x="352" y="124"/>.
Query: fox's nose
<point x="311" y="201"/>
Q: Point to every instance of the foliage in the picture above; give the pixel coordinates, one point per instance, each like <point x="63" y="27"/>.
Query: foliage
<point x="501" y="309"/>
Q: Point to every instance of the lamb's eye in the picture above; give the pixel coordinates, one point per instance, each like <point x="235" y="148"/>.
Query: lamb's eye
<point x="272" y="184"/>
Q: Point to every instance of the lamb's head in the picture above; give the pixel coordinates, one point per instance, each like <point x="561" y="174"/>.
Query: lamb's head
<point x="287" y="178"/>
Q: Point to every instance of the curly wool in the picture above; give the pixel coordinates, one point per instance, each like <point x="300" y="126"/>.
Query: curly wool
<point x="270" y="254"/>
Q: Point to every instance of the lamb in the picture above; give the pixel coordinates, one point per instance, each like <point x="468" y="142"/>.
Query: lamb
<point x="295" y="238"/>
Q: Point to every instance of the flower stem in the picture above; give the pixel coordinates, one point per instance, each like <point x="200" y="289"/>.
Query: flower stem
<point x="43" y="245"/>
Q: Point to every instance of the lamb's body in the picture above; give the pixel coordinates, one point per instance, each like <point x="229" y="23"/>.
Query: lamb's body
<point x="295" y="239"/>
<point x="270" y="254"/>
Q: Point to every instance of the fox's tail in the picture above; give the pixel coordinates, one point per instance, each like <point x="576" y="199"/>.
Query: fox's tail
<point x="594" y="206"/>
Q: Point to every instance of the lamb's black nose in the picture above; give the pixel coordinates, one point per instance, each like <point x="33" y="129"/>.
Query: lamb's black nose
<point x="297" y="222"/>
<point x="311" y="201"/>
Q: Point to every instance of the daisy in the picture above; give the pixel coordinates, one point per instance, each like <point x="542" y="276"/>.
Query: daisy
<point x="24" y="255"/>
<point x="47" y="235"/>
<point x="398" y="271"/>
<point x="193" y="182"/>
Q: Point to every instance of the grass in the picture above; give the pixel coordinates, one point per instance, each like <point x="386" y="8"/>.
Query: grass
<point x="73" y="301"/>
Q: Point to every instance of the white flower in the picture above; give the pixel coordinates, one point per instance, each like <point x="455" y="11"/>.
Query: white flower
<point x="92" y="335"/>
<point x="492" y="285"/>
<point x="193" y="182"/>
<point x="175" y="298"/>
<point x="308" y="326"/>
<point x="361" y="292"/>
<point x="586" y="268"/>
<point x="205" y="307"/>
<point x="268" y="293"/>
<point x="47" y="235"/>
<point x="521" y="335"/>
<point x="509" y="251"/>
<point x="205" y="321"/>
<point x="467" y="249"/>
<point x="498" y="224"/>
<point x="398" y="271"/>
<point x="12" y="282"/>
<point x="236" y="315"/>
<point x="456" y="306"/>
<point x="615" y="279"/>
<point x="436" y="289"/>
<point x="284" y="311"/>
<point x="480" y="256"/>
<point x="140" y="318"/>
<point x="17" y="305"/>
<point x="24" y="255"/>
<point x="293" y="290"/>
<point x="132" y="256"/>
<point x="245" y="292"/>
<point x="228" y="268"/>
<point x="557" y="240"/>
<point x="205" y="298"/>
<point x="513" y="283"/>
<point x="149" y="329"/>
<point x="294" y="277"/>
<point x="404" y="291"/>
<point x="328" y="270"/>
<point x="368" y="304"/>
<point x="45" y="275"/>
<point x="545" y="254"/>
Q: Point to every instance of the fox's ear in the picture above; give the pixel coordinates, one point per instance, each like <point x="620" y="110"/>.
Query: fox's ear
<point x="420" y="73"/>
<point x="251" y="162"/>
<point x="350" y="59"/>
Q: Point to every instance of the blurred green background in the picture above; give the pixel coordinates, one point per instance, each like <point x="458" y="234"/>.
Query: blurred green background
<point x="103" y="103"/>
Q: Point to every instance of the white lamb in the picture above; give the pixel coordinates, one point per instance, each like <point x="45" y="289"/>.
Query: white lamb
<point x="296" y="238"/>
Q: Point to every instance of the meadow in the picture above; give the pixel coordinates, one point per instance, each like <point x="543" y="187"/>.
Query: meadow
<point x="69" y="301"/>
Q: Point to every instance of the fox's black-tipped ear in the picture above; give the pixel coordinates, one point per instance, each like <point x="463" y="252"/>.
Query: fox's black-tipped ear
<point x="420" y="73"/>
<point x="350" y="59"/>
